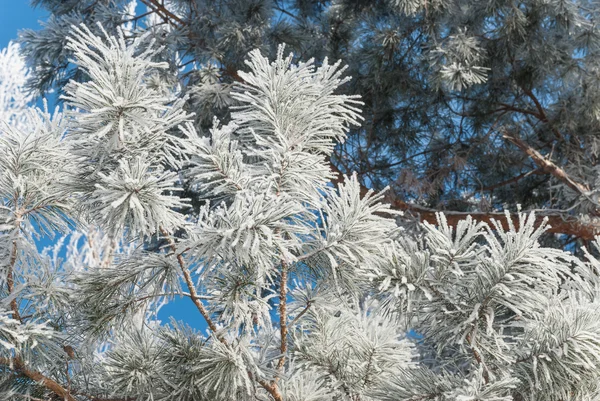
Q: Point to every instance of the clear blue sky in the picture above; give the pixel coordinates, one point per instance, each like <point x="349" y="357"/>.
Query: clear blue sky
<point x="18" y="14"/>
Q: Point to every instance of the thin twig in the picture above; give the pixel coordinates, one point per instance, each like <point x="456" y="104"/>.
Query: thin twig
<point x="308" y="304"/>
<point x="270" y="388"/>
<point x="163" y="12"/>
<point x="543" y="116"/>
<point x="192" y="288"/>
<point x="283" y="316"/>
<point x="478" y="358"/>
<point x="547" y="165"/>
<point x="10" y="281"/>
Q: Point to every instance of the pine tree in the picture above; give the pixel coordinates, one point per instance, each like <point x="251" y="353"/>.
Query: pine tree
<point x="309" y="290"/>
<point x="470" y="106"/>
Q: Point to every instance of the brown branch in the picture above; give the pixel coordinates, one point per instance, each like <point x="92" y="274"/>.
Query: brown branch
<point x="10" y="281"/>
<point x="543" y="116"/>
<point x="18" y="366"/>
<point x="138" y="17"/>
<point x="537" y="103"/>
<point x="271" y="388"/>
<point x="559" y="223"/>
<point x="192" y="288"/>
<point x="478" y="358"/>
<point x="547" y="166"/>
<point x="509" y="107"/>
<point x="231" y="72"/>
<point x="172" y="19"/>
<point x="306" y="308"/>
<point x="161" y="10"/>
<point x="283" y="316"/>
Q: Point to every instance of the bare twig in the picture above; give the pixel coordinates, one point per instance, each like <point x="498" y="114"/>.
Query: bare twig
<point x="547" y="165"/>
<point x="306" y="308"/>
<point x="283" y="315"/>
<point x="513" y="180"/>
<point x="192" y="288"/>
<point x="10" y="281"/>
<point x="161" y="10"/>
<point x="543" y="117"/>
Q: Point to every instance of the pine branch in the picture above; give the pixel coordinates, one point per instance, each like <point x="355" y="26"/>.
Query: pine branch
<point x="14" y="306"/>
<point x="558" y="222"/>
<point x="477" y="356"/>
<point x="161" y="10"/>
<point x="138" y="17"/>
<point x="271" y="388"/>
<point x="17" y="365"/>
<point x="297" y="318"/>
<point x="509" y="107"/>
<point x="10" y="283"/>
<point x="192" y="288"/>
<point x="513" y="180"/>
<point x="542" y="114"/>
<point x="547" y="165"/>
<point x="283" y="315"/>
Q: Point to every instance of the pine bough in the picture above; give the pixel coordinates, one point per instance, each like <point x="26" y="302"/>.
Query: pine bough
<point x="309" y="292"/>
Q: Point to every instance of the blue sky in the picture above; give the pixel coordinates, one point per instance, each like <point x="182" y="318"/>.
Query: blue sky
<point x="18" y="14"/>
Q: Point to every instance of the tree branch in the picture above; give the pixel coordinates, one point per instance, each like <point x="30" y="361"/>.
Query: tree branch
<point x="283" y="315"/>
<point x="271" y="388"/>
<point x="512" y="180"/>
<point x="478" y="358"/>
<point x="509" y="107"/>
<point x="543" y="116"/>
<point x="192" y="288"/>
<point x="306" y="308"/>
<point x="559" y="223"/>
<point x="10" y="281"/>
<point x="17" y="365"/>
<point x="547" y="165"/>
<point x="161" y="10"/>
